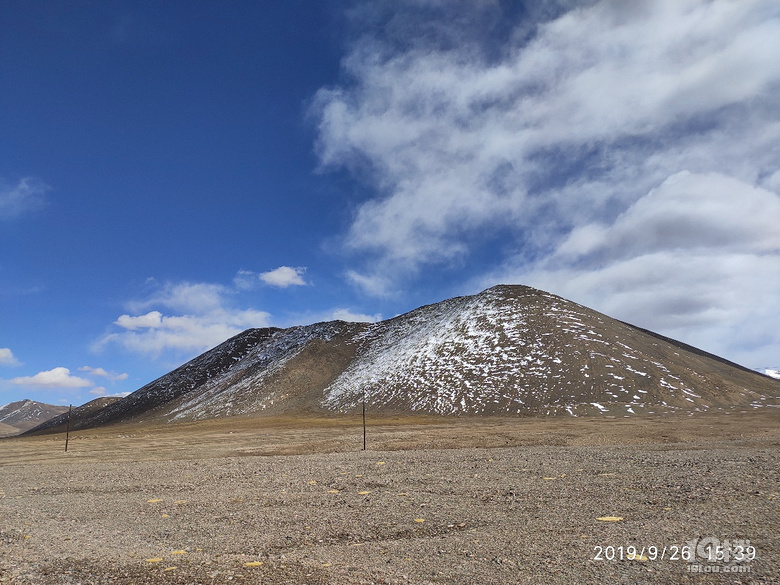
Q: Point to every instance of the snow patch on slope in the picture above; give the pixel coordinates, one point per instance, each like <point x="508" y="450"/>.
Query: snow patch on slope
<point x="504" y="352"/>
<point x="466" y="355"/>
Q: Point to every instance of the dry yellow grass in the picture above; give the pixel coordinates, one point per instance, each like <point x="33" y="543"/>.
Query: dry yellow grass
<point x="295" y="435"/>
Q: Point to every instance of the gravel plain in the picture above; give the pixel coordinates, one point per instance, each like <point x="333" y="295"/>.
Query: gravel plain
<point x="430" y="501"/>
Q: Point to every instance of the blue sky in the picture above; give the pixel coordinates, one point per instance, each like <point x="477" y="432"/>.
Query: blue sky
<point x="170" y="176"/>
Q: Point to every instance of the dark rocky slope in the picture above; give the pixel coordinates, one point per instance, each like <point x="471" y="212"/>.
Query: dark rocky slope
<point x="510" y="350"/>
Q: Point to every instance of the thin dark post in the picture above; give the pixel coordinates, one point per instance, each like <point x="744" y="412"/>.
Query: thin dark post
<point x="67" y="430"/>
<point x="364" y="419"/>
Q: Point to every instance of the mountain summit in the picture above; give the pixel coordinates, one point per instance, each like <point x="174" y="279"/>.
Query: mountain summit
<point x="22" y="415"/>
<point x="510" y="350"/>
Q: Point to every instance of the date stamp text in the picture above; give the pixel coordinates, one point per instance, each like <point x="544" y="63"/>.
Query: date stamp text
<point x="701" y="555"/>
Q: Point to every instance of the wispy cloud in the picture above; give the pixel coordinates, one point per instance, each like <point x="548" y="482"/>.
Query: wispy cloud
<point x="374" y="283"/>
<point x="18" y="199"/>
<point x="113" y="376"/>
<point x="564" y="146"/>
<point x="190" y="297"/>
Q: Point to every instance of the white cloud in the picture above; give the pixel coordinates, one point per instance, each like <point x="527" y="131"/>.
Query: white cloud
<point x="150" y="320"/>
<point x="723" y="303"/>
<point x="373" y="283"/>
<point x="189" y="297"/>
<point x="245" y="280"/>
<point x="188" y="333"/>
<point x="621" y="154"/>
<point x="55" y="378"/>
<point x="101" y="391"/>
<point x="697" y="258"/>
<point x="284" y="276"/>
<point x="25" y="196"/>
<point x="688" y="211"/>
<point x="104" y="373"/>
<point x="203" y="317"/>
<point x="600" y="105"/>
<point x="7" y="357"/>
<point x="351" y="317"/>
<point x="772" y="182"/>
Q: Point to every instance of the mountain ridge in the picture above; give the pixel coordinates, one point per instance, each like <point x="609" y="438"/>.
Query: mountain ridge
<point x="22" y="415"/>
<point x="509" y="350"/>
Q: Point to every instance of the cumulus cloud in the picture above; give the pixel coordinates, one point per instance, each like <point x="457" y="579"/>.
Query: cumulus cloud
<point x="24" y="196"/>
<point x="202" y="317"/>
<point x="284" y="276"/>
<point x="7" y="357"/>
<point x="601" y="149"/>
<point x="56" y="378"/>
<point x="189" y="333"/>
<point x="150" y="320"/>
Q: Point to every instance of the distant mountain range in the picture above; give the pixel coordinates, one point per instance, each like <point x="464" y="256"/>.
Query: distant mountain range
<point x="23" y="415"/>
<point x="510" y="350"/>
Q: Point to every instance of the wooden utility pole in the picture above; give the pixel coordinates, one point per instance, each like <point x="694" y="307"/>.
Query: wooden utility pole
<point x="364" y="419"/>
<point x="67" y="430"/>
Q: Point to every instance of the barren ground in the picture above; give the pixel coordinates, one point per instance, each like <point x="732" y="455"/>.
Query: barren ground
<point x="293" y="500"/>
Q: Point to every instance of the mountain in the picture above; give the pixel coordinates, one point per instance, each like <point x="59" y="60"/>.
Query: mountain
<point x="510" y="350"/>
<point x="59" y="421"/>
<point x="23" y="415"/>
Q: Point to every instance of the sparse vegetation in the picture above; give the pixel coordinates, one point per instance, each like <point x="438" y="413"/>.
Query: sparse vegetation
<point x="433" y="500"/>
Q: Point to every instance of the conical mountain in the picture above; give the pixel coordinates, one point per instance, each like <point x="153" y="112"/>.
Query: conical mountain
<point x="510" y="350"/>
<point x="518" y="350"/>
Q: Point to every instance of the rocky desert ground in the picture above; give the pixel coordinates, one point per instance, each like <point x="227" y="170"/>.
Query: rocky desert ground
<point x="674" y="499"/>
